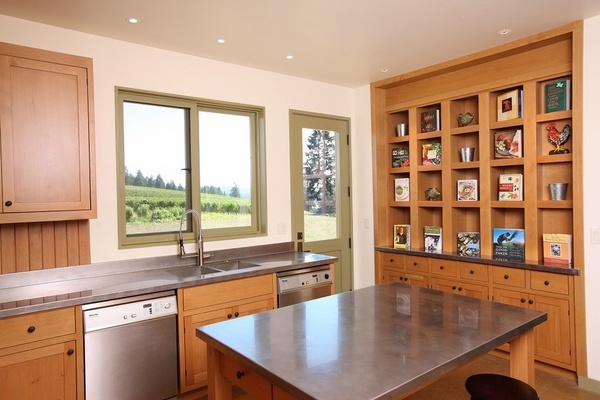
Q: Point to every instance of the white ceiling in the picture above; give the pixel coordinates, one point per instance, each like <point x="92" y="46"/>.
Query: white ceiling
<point x="342" y="42"/>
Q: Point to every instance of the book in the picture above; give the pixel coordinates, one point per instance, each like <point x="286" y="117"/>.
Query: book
<point x="467" y="244"/>
<point x="510" y="105"/>
<point x="402" y="189"/>
<point x="508" y="244"/>
<point x="432" y="153"/>
<point x="507" y="144"/>
<point x="467" y="190"/>
<point x="430" y="120"/>
<point x="557" y="95"/>
<point x="400" y="157"/>
<point x="558" y="249"/>
<point x="510" y="187"/>
<point x="402" y="236"/>
<point x="433" y="239"/>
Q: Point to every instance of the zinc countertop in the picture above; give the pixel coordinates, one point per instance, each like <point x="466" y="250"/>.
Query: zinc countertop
<point x="33" y="291"/>
<point x="380" y="342"/>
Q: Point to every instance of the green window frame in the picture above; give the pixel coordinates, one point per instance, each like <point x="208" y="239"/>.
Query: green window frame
<point x="192" y="112"/>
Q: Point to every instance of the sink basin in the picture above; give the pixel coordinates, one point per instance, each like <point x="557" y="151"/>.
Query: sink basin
<point x="231" y="265"/>
<point x="193" y="271"/>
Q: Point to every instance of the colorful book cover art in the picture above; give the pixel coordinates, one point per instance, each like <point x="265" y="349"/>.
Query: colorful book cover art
<point x="509" y="244"/>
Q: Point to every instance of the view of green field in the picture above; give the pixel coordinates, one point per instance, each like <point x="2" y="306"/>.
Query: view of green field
<point x="151" y="210"/>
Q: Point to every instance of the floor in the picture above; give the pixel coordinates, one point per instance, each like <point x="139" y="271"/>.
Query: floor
<point x="452" y="387"/>
<point x="548" y="386"/>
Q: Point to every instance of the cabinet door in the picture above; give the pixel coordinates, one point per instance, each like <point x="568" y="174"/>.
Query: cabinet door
<point x="43" y="373"/>
<point x="45" y="136"/>
<point x="196" y="354"/>
<point x="552" y="338"/>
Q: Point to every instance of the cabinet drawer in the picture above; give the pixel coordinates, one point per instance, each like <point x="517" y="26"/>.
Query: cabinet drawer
<point x="419" y="264"/>
<point x="245" y="378"/>
<point x="475" y="272"/>
<point x="38" y="326"/>
<point x="393" y="260"/>
<point x="548" y="282"/>
<point x="225" y="292"/>
<point x="443" y="267"/>
<point x="509" y="276"/>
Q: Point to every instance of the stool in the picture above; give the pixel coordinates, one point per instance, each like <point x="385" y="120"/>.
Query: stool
<point x="498" y="387"/>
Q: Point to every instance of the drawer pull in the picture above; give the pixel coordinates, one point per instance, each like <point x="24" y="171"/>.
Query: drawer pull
<point x="522" y="300"/>
<point x="70" y="352"/>
<point x="229" y="316"/>
<point x="472" y="271"/>
<point x="391" y="260"/>
<point x="441" y="267"/>
<point x="8" y="203"/>
<point x="530" y="301"/>
<point x="506" y="276"/>
<point x="31" y="329"/>
<point x="240" y="374"/>
<point x="237" y="314"/>
<point x="453" y="287"/>
<point x="546" y="283"/>
<point x="415" y="264"/>
<point x="460" y="288"/>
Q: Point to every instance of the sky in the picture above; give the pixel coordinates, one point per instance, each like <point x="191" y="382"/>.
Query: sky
<point x="155" y="144"/>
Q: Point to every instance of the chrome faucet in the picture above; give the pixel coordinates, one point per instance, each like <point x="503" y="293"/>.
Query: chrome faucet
<point x="200" y="256"/>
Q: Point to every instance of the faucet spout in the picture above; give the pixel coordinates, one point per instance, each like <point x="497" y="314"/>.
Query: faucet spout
<point x="199" y="240"/>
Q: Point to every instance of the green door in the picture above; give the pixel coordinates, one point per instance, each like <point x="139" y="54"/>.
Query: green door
<point x="320" y="179"/>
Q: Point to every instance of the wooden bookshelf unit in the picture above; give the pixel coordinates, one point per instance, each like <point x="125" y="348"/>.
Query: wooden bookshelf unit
<point x="475" y="84"/>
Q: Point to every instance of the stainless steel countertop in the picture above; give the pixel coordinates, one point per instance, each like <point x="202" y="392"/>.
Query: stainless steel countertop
<point x="32" y="291"/>
<point x="379" y="342"/>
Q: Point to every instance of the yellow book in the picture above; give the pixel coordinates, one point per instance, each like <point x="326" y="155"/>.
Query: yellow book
<point x="558" y="250"/>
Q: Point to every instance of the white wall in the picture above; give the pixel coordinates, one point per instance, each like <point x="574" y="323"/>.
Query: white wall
<point x="118" y="63"/>
<point x="591" y="184"/>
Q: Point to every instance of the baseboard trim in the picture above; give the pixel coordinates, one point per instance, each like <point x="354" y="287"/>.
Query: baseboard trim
<point x="589" y="384"/>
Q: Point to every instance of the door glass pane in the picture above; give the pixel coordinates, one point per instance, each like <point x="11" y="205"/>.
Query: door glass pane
<point x="319" y="177"/>
<point x="225" y="169"/>
<point x="155" y="179"/>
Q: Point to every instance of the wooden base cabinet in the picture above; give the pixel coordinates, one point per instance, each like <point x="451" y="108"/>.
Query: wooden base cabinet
<point x="41" y="356"/>
<point x="207" y="304"/>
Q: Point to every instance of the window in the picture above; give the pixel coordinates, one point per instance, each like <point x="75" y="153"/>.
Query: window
<point x="177" y="153"/>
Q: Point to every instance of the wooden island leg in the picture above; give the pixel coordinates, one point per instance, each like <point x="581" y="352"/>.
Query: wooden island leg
<point x="219" y="388"/>
<point x="522" y="364"/>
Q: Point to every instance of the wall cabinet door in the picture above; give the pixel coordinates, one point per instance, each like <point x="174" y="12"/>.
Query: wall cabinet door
<point x="47" y="372"/>
<point x="46" y="140"/>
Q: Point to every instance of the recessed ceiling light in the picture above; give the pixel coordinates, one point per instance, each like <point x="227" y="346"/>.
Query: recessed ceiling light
<point x="503" y="32"/>
<point x="132" y="20"/>
<point x="221" y="41"/>
<point x="289" y="57"/>
<point x="384" y="70"/>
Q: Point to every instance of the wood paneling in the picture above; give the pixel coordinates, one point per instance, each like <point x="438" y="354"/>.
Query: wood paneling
<point x="43" y="245"/>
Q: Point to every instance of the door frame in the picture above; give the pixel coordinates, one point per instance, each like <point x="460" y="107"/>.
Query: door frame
<point x="344" y="274"/>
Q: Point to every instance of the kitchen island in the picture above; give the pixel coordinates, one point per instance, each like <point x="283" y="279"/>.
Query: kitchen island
<point x="381" y="342"/>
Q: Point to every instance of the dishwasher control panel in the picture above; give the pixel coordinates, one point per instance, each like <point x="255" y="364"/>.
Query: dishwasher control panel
<point x="127" y="313"/>
<point x="299" y="281"/>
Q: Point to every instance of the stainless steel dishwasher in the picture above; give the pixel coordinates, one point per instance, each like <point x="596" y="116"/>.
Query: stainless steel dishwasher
<point x="131" y="348"/>
<point x="303" y="284"/>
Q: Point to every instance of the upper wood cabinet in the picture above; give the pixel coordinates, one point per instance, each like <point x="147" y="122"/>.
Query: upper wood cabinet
<point x="46" y="136"/>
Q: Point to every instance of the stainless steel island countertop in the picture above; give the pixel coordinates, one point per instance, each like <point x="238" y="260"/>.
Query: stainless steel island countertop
<point x="381" y="342"/>
<point x="26" y="292"/>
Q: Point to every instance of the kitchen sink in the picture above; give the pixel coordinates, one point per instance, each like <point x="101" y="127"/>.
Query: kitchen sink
<point x="231" y="265"/>
<point x="193" y="271"/>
